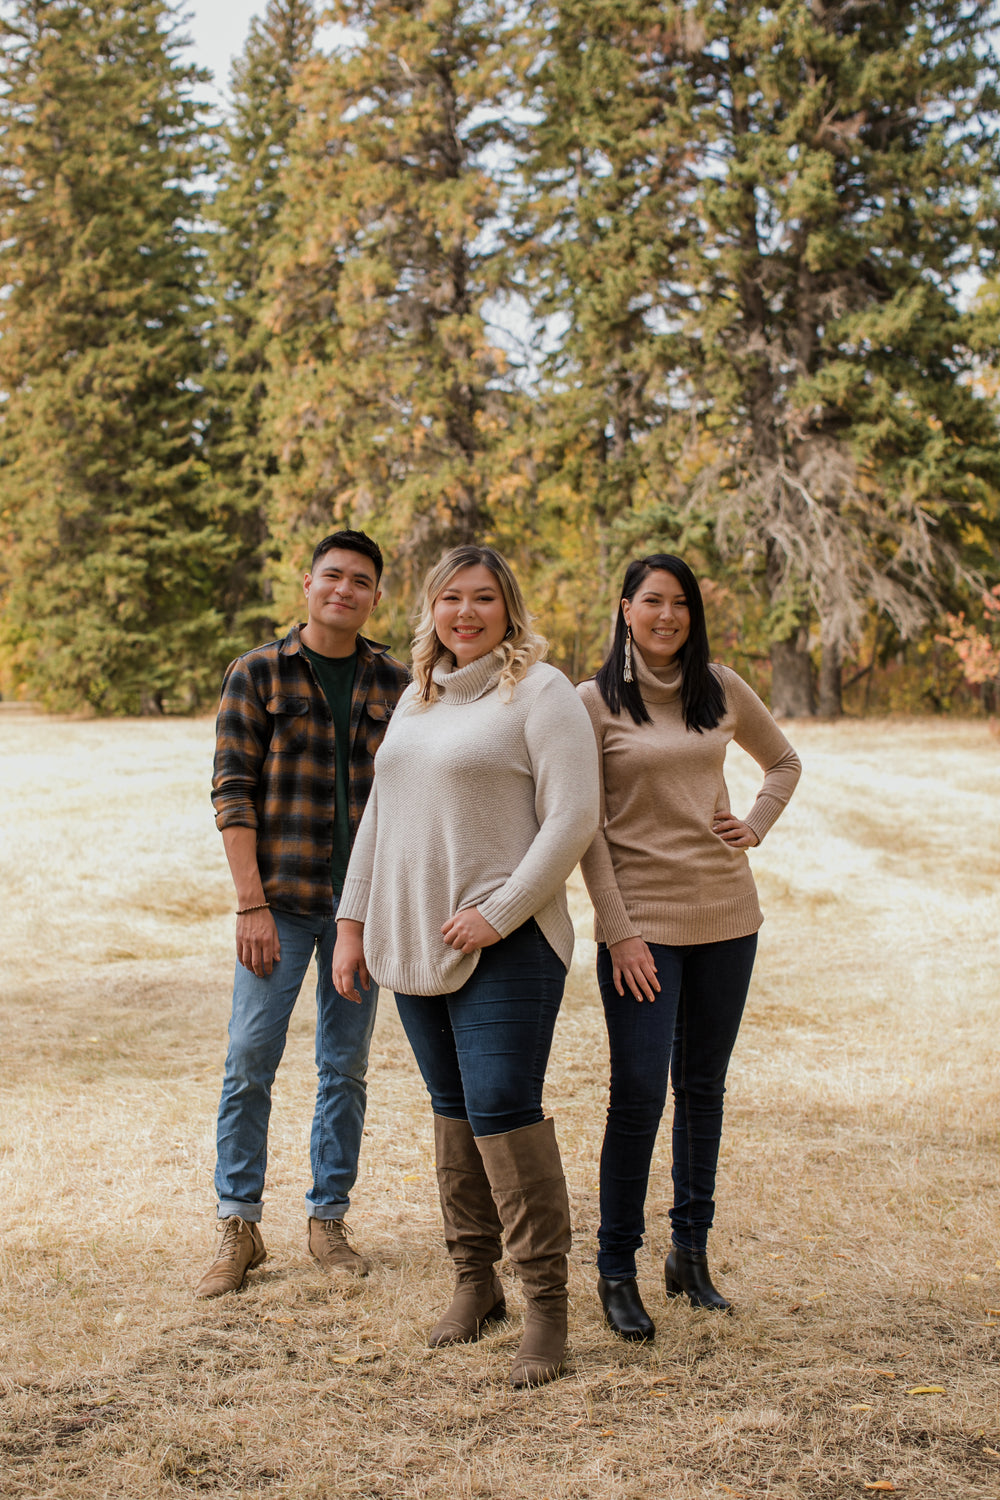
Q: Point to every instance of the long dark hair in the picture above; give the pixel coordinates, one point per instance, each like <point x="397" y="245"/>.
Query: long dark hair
<point x="702" y="698"/>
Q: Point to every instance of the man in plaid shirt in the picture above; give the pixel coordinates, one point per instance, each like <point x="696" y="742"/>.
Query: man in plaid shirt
<point x="299" y="723"/>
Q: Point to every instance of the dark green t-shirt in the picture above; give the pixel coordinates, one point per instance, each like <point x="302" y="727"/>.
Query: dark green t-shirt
<point x="335" y="675"/>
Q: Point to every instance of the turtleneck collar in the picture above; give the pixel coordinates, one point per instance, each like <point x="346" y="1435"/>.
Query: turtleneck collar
<point x="466" y="684"/>
<point x="656" y="687"/>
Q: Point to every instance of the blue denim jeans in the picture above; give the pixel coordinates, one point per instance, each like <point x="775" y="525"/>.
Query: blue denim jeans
<point x="262" y="1008"/>
<point x="687" y="1034"/>
<point x="482" y="1051"/>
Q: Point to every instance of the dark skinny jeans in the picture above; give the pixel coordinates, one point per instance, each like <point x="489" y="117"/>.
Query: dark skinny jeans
<point x="483" y="1051"/>
<point x="687" y="1034"/>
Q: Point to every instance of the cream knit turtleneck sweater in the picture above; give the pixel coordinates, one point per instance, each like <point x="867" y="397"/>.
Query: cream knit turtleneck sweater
<point x="655" y="869"/>
<point x="477" y="802"/>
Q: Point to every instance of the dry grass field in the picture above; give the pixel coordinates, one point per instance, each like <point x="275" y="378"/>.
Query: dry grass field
<point x="859" y="1219"/>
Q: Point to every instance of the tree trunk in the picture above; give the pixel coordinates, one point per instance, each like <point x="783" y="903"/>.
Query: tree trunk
<point x="791" y="677"/>
<point x="831" y="703"/>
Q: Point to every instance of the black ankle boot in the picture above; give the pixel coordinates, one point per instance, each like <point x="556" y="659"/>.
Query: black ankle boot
<point x="687" y="1271"/>
<point x="623" y="1309"/>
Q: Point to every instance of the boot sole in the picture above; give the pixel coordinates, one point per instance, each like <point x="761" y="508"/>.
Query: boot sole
<point x="341" y="1268"/>
<point x="544" y="1377"/>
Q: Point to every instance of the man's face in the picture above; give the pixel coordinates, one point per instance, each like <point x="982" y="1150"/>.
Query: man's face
<point x="341" y="592"/>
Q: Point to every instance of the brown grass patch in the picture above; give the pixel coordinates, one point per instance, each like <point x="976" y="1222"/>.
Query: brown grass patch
<point x="858" y="1225"/>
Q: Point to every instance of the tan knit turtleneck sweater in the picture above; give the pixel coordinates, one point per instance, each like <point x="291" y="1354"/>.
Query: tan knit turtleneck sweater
<point x="477" y="802"/>
<point x="655" y="869"/>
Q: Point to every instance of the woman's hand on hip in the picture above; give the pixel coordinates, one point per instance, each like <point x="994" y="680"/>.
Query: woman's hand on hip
<point x="632" y="962"/>
<point x="734" y="832"/>
<point x="468" y="931"/>
<point x="349" y="959"/>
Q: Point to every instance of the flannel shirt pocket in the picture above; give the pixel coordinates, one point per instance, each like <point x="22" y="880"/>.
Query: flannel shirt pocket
<point x="288" y="735"/>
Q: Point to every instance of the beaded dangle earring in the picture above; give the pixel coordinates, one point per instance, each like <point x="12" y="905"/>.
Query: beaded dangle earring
<point x="627" y="668"/>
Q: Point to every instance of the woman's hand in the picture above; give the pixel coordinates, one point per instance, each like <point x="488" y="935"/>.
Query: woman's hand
<point x="467" y="931"/>
<point x="632" y="962"/>
<point x="734" y="832"/>
<point x="349" y="959"/>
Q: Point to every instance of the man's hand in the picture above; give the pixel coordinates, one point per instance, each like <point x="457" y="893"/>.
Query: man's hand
<point x="258" y="947"/>
<point x="349" y="959"/>
<point x="468" y="931"/>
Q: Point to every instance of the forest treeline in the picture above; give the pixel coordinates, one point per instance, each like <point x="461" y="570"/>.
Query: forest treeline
<point x="579" y="278"/>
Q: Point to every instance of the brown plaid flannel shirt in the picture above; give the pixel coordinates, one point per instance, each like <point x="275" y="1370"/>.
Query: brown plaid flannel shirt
<point x="274" y="761"/>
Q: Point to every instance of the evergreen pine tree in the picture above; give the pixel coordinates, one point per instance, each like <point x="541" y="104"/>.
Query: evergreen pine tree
<point x="789" y="203"/>
<point x="387" y="400"/>
<point x="112" y="564"/>
<point x="595" y="236"/>
<point x="246" y="207"/>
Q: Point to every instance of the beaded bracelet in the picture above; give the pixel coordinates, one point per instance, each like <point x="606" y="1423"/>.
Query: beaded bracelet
<point x="261" y="906"/>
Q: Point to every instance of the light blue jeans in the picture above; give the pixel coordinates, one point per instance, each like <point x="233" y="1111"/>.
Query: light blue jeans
<point x="262" y="1008"/>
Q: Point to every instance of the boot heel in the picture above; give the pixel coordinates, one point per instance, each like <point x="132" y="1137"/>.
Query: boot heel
<point x="674" y="1288"/>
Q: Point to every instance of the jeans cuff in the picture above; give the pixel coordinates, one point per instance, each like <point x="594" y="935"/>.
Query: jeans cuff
<point x="251" y="1213"/>
<point x="326" y="1210"/>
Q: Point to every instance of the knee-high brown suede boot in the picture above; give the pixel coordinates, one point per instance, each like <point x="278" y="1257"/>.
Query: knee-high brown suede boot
<point x="471" y="1232"/>
<point x="526" y="1175"/>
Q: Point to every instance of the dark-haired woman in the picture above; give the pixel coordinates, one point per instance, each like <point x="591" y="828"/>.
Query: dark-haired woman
<point x="676" y="915"/>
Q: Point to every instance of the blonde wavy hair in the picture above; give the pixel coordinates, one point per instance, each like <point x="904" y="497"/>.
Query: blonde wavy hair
<point x="521" y="647"/>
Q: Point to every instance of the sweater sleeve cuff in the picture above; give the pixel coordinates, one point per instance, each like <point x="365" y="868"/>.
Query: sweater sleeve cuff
<point x="613" y="921"/>
<point x="353" y="903"/>
<point x="507" y="908"/>
<point x="763" y="815"/>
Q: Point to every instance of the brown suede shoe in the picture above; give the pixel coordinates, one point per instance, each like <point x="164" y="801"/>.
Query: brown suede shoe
<point x="241" y="1249"/>
<point x="328" y="1246"/>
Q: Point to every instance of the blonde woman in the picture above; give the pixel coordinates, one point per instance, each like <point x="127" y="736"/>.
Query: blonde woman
<point x="485" y="797"/>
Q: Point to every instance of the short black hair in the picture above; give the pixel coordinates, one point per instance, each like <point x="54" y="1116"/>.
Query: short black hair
<point x="350" y="541"/>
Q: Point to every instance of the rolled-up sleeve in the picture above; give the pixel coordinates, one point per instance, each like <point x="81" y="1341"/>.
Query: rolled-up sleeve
<point x="241" y="731"/>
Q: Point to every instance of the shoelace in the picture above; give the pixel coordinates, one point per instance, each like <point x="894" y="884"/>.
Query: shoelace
<point x="230" y="1231"/>
<point x="335" y="1229"/>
